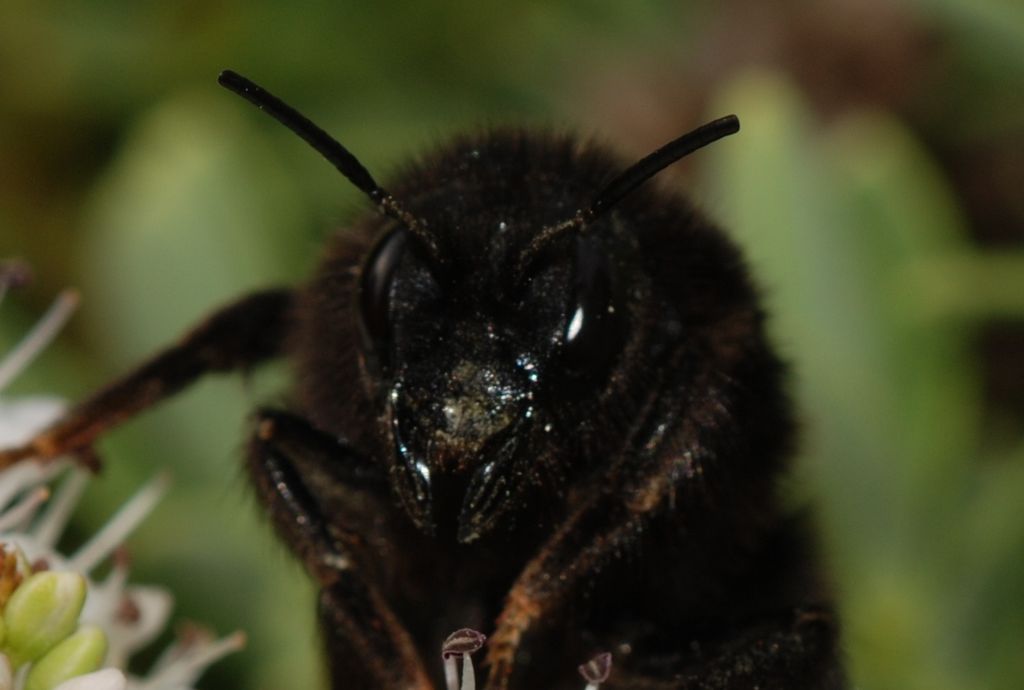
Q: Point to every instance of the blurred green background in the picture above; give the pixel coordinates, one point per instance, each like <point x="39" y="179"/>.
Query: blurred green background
<point x="877" y="186"/>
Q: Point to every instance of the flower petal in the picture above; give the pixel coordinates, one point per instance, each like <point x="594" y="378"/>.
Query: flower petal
<point x="150" y="609"/>
<point x="104" y="679"/>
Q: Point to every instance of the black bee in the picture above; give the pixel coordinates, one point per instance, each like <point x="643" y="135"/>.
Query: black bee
<point x="531" y="398"/>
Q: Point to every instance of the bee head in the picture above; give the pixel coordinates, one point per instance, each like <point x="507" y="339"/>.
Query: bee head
<point x="492" y="310"/>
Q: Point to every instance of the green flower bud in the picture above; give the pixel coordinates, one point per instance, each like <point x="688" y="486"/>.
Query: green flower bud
<point x="77" y="655"/>
<point x="42" y="612"/>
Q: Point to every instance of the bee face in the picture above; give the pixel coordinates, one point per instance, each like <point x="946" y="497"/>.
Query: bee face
<point x="480" y="361"/>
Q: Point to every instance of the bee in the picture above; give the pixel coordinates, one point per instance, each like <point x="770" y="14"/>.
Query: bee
<point x="534" y="396"/>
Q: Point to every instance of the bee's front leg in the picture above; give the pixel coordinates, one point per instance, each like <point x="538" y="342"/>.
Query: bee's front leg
<point x="298" y="471"/>
<point x="237" y="337"/>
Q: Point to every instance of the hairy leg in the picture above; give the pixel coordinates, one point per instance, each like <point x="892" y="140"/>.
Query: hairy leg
<point x="297" y="470"/>
<point x="675" y="470"/>
<point x="793" y="650"/>
<point x="237" y="336"/>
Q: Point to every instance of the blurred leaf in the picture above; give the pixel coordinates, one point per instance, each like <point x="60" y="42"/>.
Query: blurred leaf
<point x="832" y="219"/>
<point x="783" y="205"/>
<point x="192" y="215"/>
<point x="988" y="609"/>
<point x="897" y="196"/>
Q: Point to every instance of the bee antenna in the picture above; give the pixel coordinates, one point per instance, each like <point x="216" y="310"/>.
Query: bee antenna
<point x="651" y="164"/>
<point x="629" y="180"/>
<point x="328" y="147"/>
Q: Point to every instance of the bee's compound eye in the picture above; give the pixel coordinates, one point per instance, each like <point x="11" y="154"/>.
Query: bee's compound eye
<point x="592" y="334"/>
<point x="375" y="288"/>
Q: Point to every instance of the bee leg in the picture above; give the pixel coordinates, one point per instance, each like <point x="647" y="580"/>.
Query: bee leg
<point x="796" y="650"/>
<point x="605" y="523"/>
<point x="238" y="336"/>
<point x="289" y="460"/>
<point x="322" y="459"/>
<point x="661" y="478"/>
<point x="793" y="650"/>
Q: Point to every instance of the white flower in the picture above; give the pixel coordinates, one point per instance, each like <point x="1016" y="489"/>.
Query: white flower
<point x="58" y="626"/>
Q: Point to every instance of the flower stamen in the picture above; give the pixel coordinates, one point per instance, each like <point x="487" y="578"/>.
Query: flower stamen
<point x="461" y="643"/>
<point x="57" y="513"/>
<point x="39" y="337"/>
<point x="596" y="670"/>
<point x="185" y="661"/>
<point x="120" y="526"/>
<point x="23" y="510"/>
